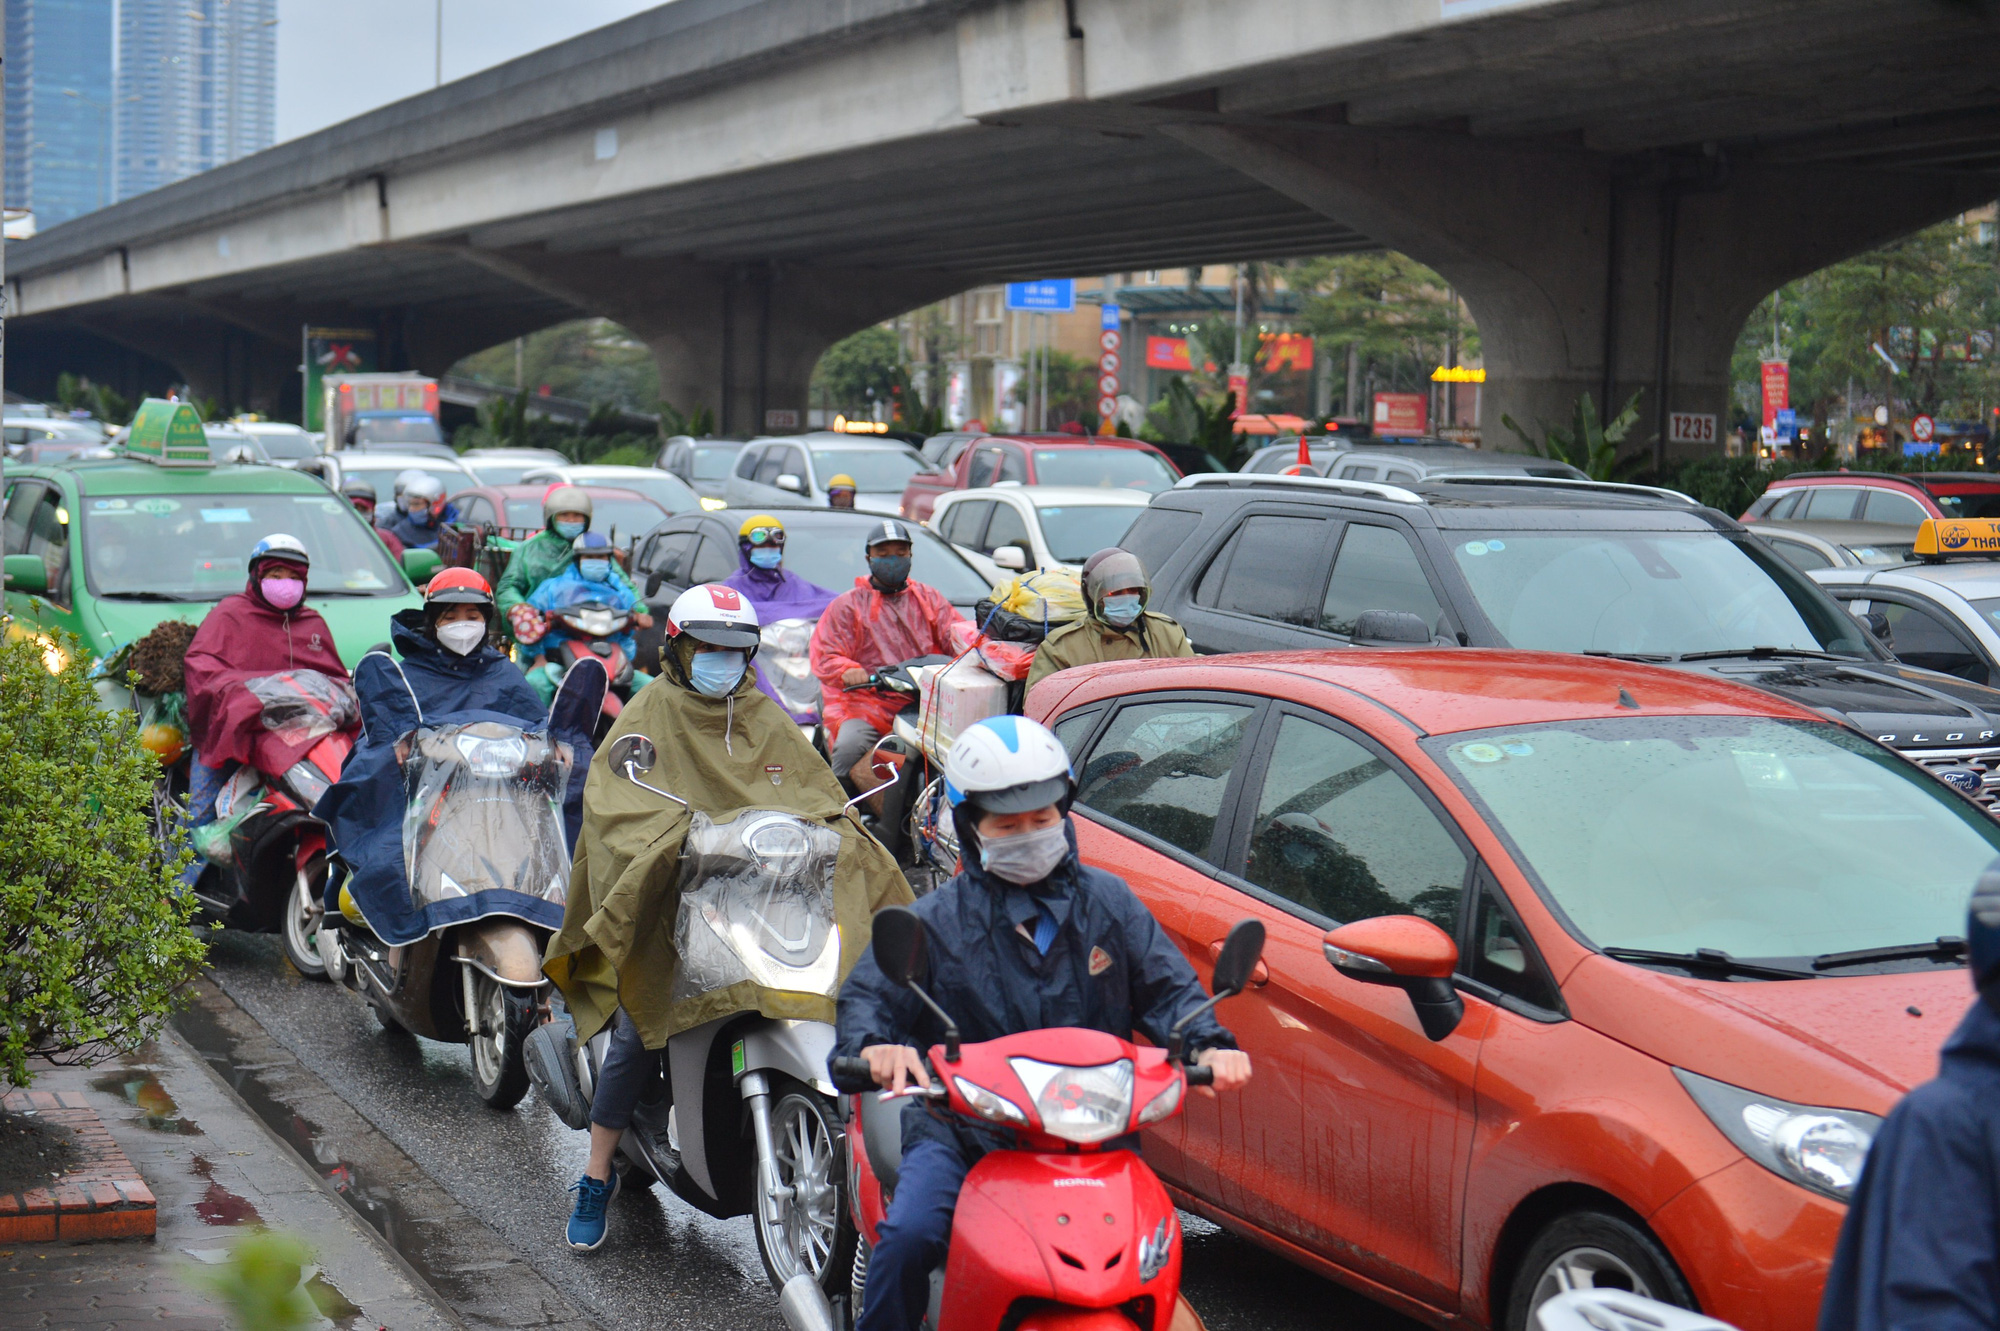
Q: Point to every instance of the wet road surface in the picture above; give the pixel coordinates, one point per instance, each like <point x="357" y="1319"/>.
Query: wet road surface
<point x="666" y="1264"/>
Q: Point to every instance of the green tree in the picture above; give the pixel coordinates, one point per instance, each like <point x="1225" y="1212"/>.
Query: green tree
<point x="858" y="371"/>
<point x="590" y="360"/>
<point x="94" y="939"/>
<point x="1590" y="447"/>
<point x="1400" y="317"/>
<point x="1072" y="386"/>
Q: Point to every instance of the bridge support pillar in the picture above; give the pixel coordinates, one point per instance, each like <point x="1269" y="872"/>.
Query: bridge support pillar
<point x="740" y="340"/>
<point x="1588" y="273"/>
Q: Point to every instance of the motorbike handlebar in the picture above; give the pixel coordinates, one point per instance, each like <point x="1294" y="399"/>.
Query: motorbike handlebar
<point x="851" y="1076"/>
<point x="1200" y="1076"/>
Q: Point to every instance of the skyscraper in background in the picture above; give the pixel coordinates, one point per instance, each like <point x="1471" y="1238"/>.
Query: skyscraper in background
<point x="196" y="87"/>
<point x="59" y="107"/>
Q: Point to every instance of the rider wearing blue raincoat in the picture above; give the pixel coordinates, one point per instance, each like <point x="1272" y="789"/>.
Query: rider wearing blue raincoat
<point x="449" y="673"/>
<point x="591" y="576"/>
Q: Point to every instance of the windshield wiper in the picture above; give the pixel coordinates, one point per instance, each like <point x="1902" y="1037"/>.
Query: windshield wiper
<point x="1764" y="654"/>
<point x="146" y="596"/>
<point x="1947" y="947"/>
<point x="1634" y="656"/>
<point x="1706" y="959"/>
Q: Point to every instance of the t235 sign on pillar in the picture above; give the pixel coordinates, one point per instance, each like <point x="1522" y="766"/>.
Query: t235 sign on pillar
<point x="1690" y="427"/>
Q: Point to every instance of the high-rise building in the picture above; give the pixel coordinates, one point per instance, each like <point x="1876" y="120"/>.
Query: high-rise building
<point x="60" y="116"/>
<point x="196" y="87"/>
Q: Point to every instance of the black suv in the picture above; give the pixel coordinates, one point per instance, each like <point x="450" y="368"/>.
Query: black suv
<point x="1262" y="563"/>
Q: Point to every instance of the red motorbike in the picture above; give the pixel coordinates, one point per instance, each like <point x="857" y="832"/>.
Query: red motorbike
<point x="266" y="852"/>
<point x="1057" y="1233"/>
<point x="591" y="628"/>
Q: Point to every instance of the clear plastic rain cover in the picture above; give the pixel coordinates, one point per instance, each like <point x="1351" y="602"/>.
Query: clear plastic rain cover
<point x="485" y="813"/>
<point x="757" y="904"/>
<point x="301" y="705"/>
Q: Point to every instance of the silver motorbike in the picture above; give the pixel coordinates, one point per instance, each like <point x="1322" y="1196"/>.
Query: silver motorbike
<point x="756" y="906"/>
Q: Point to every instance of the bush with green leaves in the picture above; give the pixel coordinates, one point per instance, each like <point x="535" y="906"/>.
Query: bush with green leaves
<point x="95" y="947"/>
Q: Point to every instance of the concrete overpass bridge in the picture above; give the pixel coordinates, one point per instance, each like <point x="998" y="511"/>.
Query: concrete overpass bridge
<point x="1612" y="184"/>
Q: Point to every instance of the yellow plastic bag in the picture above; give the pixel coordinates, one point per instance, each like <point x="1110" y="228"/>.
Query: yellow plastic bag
<point x="1053" y="596"/>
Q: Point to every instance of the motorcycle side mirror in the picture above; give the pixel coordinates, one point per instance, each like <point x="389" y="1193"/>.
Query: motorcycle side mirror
<point x="631" y="754"/>
<point x="1240" y="954"/>
<point x="899" y="949"/>
<point x="1234" y="965"/>
<point x="899" y="946"/>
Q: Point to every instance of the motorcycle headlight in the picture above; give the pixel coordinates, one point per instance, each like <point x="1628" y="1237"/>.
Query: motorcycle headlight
<point x="1820" y="1149"/>
<point x="990" y="1104"/>
<point x="1081" y="1105"/>
<point x="1161" y="1105"/>
<point x="488" y="756"/>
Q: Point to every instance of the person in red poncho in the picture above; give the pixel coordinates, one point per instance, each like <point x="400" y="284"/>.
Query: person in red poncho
<point x="883" y="620"/>
<point x="262" y="630"/>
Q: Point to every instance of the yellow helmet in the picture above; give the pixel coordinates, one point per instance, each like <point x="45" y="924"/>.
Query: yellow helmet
<point x="760" y="528"/>
<point x="840" y="481"/>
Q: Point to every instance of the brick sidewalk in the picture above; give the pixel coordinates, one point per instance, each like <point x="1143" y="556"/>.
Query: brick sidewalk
<point x="101" y="1198"/>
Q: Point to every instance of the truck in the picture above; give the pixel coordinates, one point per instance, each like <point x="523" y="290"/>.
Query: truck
<point x="381" y="409"/>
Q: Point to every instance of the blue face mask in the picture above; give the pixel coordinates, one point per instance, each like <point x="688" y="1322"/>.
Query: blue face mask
<point x="569" y="531"/>
<point x="716" y="674"/>
<point x="1121" y="610"/>
<point x="766" y="556"/>
<point x="594" y="570"/>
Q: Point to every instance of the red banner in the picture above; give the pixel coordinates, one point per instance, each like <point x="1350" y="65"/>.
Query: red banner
<point x="1777" y="390"/>
<point x="1288" y="351"/>
<point x="1402" y="413"/>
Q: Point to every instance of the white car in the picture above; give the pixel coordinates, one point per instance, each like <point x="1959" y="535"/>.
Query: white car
<point x="506" y="466"/>
<point x="381" y="469"/>
<point x="1007" y="528"/>
<point x="1938" y="616"/>
<point x="283" y="444"/>
<point x="663" y="488"/>
<point x="794" y="469"/>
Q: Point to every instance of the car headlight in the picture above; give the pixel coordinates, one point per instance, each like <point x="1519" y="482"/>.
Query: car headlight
<point x="1161" y="1105"/>
<point x="990" y="1104"/>
<point x="1820" y="1149"/>
<point x="1081" y="1105"/>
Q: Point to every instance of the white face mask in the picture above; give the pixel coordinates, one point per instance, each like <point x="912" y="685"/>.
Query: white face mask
<point x="462" y="637"/>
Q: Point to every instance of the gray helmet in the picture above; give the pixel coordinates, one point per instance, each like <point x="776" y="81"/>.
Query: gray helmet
<point x="403" y="479"/>
<point x="564" y="499"/>
<point x="1113" y="570"/>
<point x="357" y="487"/>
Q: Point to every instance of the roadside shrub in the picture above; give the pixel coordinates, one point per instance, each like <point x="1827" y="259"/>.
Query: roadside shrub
<point x="94" y="937"/>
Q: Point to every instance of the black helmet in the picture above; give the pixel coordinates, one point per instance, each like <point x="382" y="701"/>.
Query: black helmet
<point x="887" y="530"/>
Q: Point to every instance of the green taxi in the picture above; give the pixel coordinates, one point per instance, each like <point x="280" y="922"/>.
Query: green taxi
<point x="106" y="548"/>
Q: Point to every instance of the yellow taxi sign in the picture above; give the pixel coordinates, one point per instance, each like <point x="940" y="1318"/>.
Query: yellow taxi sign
<point x="168" y="434"/>
<point x="1939" y="538"/>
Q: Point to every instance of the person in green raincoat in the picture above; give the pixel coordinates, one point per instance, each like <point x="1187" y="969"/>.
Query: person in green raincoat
<point x="724" y="747"/>
<point x="566" y="513"/>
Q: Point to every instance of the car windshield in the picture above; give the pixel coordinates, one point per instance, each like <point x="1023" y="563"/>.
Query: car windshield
<point x="713" y="464"/>
<point x="1877" y="553"/>
<point x="397" y="430"/>
<point x="669" y="492"/>
<point x="1075" y="532"/>
<point x="880" y="470"/>
<point x="383" y="477"/>
<point x="830" y="554"/>
<point x="502" y="473"/>
<point x="618" y="518"/>
<point x="1757" y="837"/>
<point x="1132" y="468"/>
<point x="1969" y="501"/>
<point x="197" y="547"/>
<point x="1647" y="593"/>
<point x="288" y="444"/>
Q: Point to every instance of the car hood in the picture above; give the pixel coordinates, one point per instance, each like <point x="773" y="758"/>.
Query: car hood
<point x="358" y="622"/>
<point x="1897" y="704"/>
<point x="1847" y="1042"/>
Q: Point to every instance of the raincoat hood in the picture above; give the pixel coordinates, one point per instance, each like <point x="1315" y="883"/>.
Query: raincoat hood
<point x="244" y="637"/>
<point x="778" y="593"/>
<point x="724" y="756"/>
<point x="406" y="634"/>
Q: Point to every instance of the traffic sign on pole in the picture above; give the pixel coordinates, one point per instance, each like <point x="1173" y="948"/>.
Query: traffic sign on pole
<point x="1923" y="429"/>
<point x="1054" y="296"/>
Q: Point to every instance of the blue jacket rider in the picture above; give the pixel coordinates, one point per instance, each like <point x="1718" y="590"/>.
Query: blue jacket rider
<point x="1028" y="939"/>
<point x="1920" y="1248"/>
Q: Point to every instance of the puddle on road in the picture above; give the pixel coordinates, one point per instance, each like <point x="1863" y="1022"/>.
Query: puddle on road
<point x="218" y="1205"/>
<point x="373" y="1202"/>
<point x="334" y="1307"/>
<point x="143" y="1090"/>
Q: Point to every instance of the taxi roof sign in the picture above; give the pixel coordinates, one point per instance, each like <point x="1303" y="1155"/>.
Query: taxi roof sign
<point x="168" y="434"/>
<point x="1949" y="538"/>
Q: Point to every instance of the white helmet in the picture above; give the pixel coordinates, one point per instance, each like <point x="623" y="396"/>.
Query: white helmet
<point x="425" y="487"/>
<point x="1007" y="764"/>
<point x="280" y="545"/>
<point x="716" y="614"/>
<point x="404" y="477"/>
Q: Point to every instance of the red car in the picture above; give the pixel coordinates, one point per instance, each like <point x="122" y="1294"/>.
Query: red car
<point x="1871" y="496"/>
<point x="1042" y="459"/>
<point x="1644" y="958"/>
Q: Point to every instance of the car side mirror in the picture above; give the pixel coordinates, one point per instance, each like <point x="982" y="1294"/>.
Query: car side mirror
<point x="792" y="483"/>
<point x="421" y="564"/>
<point x="1240" y="953"/>
<point x="899" y="947"/>
<point x="1012" y="558"/>
<point x="27" y="574"/>
<point x="1390" y="628"/>
<point x="653" y="581"/>
<point x="1403" y="952"/>
<point x="1878" y="625"/>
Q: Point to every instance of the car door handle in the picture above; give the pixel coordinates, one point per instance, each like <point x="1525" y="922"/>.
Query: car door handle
<point x="1258" y="978"/>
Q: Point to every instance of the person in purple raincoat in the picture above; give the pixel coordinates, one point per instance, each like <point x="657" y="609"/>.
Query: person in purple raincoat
<point x="778" y="595"/>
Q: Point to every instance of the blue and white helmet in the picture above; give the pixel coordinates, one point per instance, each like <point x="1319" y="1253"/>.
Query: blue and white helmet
<point x="1007" y="764"/>
<point x="279" y="545"/>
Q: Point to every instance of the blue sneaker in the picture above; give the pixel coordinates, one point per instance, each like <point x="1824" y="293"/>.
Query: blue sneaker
<point x="587" y="1224"/>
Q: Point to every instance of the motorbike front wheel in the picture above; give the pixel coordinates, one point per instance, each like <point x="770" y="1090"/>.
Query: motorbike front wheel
<point x="302" y="915"/>
<point x="806" y="1228"/>
<point x="499" y="1062"/>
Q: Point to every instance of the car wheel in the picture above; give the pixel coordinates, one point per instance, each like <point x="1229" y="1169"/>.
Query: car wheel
<point x="1592" y="1250"/>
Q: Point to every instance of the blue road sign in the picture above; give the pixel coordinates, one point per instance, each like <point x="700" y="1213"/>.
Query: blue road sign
<point x="1786" y="423"/>
<point x="1112" y="316"/>
<point x="1053" y="296"/>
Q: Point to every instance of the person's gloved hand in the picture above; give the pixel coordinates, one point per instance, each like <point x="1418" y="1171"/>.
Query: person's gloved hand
<point x="529" y="624"/>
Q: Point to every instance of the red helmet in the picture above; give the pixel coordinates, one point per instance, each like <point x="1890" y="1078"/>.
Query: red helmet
<point x="458" y="586"/>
